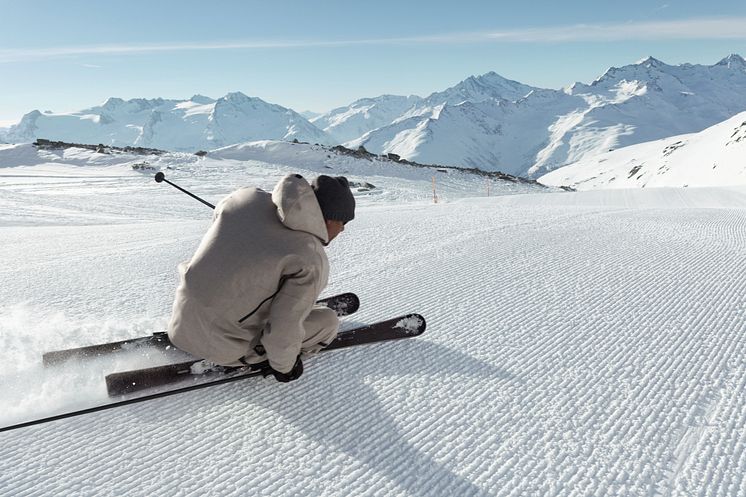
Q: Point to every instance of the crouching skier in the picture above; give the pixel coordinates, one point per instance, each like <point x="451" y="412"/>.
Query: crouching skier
<point x="248" y="295"/>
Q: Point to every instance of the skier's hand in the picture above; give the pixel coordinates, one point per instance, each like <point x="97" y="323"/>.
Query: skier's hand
<point x="262" y="367"/>
<point x="291" y="375"/>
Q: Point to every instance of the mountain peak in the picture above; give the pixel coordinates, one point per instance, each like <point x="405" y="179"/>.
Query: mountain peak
<point x="201" y="99"/>
<point x="650" y="61"/>
<point x="575" y="88"/>
<point x="490" y="74"/>
<point x="112" y="102"/>
<point x="33" y="114"/>
<point x="631" y="71"/>
<point x="115" y="104"/>
<point x="491" y="78"/>
<point x="488" y="86"/>
<point x="236" y="96"/>
<point x="733" y="61"/>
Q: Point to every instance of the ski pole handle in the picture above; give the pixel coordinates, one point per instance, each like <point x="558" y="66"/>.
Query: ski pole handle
<point x="160" y="177"/>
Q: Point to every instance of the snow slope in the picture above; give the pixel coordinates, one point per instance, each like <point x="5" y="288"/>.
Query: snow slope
<point x="712" y="157"/>
<point x="189" y="125"/>
<point x="583" y="343"/>
<point x="87" y="179"/>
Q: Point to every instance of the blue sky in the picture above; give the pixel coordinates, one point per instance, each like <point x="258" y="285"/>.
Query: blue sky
<point x="66" y="56"/>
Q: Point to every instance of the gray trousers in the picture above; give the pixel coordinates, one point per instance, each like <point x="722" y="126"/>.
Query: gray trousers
<point x="321" y="328"/>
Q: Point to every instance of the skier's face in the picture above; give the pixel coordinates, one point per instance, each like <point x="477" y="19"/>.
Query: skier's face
<point x="334" y="228"/>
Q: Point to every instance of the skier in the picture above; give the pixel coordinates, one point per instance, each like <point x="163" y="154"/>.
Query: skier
<point x="247" y="297"/>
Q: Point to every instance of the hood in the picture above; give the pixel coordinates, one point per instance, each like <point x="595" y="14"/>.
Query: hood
<point x="297" y="206"/>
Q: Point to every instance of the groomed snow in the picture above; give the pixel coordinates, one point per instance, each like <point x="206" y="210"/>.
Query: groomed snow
<point x="581" y="344"/>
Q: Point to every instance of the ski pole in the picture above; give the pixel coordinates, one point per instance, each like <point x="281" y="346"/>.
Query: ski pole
<point x="160" y="177"/>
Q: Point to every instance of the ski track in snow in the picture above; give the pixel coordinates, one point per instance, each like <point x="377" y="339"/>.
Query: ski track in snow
<point x="577" y="344"/>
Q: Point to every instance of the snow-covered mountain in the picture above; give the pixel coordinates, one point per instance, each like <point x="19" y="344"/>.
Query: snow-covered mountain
<point x="491" y="134"/>
<point x="309" y="114"/>
<point x="352" y="121"/>
<point x="488" y="121"/>
<point x="485" y="88"/>
<point x="534" y="132"/>
<point x="713" y="157"/>
<point x="181" y="125"/>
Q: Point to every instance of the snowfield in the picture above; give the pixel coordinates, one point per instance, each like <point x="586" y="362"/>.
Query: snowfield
<point x="712" y="157"/>
<point x="578" y="344"/>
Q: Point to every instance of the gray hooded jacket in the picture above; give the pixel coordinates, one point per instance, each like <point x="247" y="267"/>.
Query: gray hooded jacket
<point x="254" y="278"/>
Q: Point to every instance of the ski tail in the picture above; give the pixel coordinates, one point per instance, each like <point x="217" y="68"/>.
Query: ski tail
<point x="142" y="379"/>
<point x="157" y="340"/>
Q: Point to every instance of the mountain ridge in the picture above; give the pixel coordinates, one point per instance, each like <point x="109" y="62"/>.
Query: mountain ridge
<point x="515" y="128"/>
<point x="180" y="125"/>
<point x="636" y="103"/>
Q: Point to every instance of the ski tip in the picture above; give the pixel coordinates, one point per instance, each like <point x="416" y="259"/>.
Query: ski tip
<point x="413" y="324"/>
<point x="353" y="303"/>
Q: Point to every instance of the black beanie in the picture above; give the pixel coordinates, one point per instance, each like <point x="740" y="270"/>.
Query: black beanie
<point x="335" y="198"/>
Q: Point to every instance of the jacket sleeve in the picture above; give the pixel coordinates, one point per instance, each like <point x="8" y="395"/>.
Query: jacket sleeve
<point x="285" y="332"/>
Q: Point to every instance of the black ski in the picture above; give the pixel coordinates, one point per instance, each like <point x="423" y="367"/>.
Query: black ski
<point x="127" y="382"/>
<point x="403" y="327"/>
<point x="343" y="304"/>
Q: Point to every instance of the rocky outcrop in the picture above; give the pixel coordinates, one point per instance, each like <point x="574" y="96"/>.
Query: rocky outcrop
<point x="43" y="144"/>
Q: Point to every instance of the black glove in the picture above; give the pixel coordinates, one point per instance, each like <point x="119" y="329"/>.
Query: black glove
<point x="293" y="374"/>
<point x="262" y="367"/>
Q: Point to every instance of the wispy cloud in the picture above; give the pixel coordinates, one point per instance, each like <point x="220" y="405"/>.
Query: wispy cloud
<point x="690" y="29"/>
<point x="11" y="55"/>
